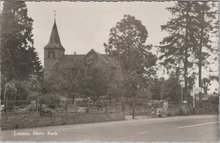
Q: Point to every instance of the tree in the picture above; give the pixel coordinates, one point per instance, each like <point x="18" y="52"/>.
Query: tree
<point x="15" y="93"/>
<point x="18" y="56"/>
<point x="64" y="81"/>
<point x="35" y="64"/>
<point x="127" y="43"/>
<point x="171" y="90"/>
<point x="33" y="84"/>
<point x="155" y="88"/>
<point x="9" y="95"/>
<point x="176" y="47"/>
<point x="22" y="93"/>
<point x="205" y="85"/>
<point x="93" y="83"/>
<point x="115" y="84"/>
<point x="132" y="86"/>
<point x="49" y="99"/>
<point x="188" y="31"/>
<point x="206" y="18"/>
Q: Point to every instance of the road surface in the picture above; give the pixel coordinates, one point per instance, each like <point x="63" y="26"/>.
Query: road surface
<point x="182" y="128"/>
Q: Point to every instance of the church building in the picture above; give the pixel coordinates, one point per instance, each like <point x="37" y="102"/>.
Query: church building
<point x="55" y="58"/>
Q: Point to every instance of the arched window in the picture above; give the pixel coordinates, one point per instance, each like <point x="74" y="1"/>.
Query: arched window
<point x="51" y="54"/>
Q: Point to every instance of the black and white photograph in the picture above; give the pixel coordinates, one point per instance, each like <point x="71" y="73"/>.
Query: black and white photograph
<point x="109" y="71"/>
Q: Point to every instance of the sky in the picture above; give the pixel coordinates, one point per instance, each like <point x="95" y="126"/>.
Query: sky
<point x="83" y="26"/>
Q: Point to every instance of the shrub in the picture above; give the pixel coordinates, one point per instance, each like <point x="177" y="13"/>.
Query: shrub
<point x="22" y="94"/>
<point x="50" y="100"/>
<point x="214" y="100"/>
<point x="33" y="96"/>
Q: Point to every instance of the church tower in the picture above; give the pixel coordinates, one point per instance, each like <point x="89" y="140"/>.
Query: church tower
<point x="53" y="51"/>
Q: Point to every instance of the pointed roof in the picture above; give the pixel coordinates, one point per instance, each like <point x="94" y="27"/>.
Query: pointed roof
<point x="105" y="58"/>
<point x="54" y="41"/>
<point x="70" y="61"/>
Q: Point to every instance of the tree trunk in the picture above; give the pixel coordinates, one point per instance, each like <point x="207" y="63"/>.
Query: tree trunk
<point x="200" y="53"/>
<point x="73" y="99"/>
<point x="186" y="52"/>
<point x="123" y="103"/>
<point x="110" y="99"/>
<point x="37" y="105"/>
<point x="133" y="107"/>
<point x="66" y="104"/>
<point x="106" y="109"/>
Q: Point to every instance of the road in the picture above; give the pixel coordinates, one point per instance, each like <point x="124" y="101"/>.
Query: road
<point x="203" y="128"/>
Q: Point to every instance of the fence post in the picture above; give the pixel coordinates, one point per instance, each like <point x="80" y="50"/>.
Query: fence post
<point x="6" y="106"/>
<point x="87" y="111"/>
<point x="40" y="109"/>
<point x="133" y="107"/>
<point x="37" y="105"/>
<point x="106" y="109"/>
<point x="65" y="108"/>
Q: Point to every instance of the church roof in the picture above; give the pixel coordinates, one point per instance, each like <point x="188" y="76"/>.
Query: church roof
<point x="70" y="61"/>
<point x="54" y="41"/>
<point x="106" y="58"/>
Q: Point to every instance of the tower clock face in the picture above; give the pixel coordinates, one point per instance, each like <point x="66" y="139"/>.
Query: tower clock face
<point x="90" y="59"/>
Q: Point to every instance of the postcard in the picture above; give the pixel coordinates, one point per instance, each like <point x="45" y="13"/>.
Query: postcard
<point x="103" y="71"/>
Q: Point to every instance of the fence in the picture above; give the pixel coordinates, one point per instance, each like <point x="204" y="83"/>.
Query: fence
<point x="30" y="114"/>
<point x="62" y="107"/>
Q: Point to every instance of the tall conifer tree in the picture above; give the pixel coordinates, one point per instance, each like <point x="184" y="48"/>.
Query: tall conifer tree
<point x="176" y="48"/>
<point x="189" y="31"/>
<point x="19" y="58"/>
<point x="206" y="13"/>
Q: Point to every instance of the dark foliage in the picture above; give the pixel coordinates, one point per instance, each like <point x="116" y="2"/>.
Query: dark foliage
<point x="19" y="58"/>
<point x="50" y="100"/>
<point x="127" y="44"/>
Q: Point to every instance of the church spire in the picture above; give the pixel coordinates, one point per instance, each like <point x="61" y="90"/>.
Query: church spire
<point x="54" y="41"/>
